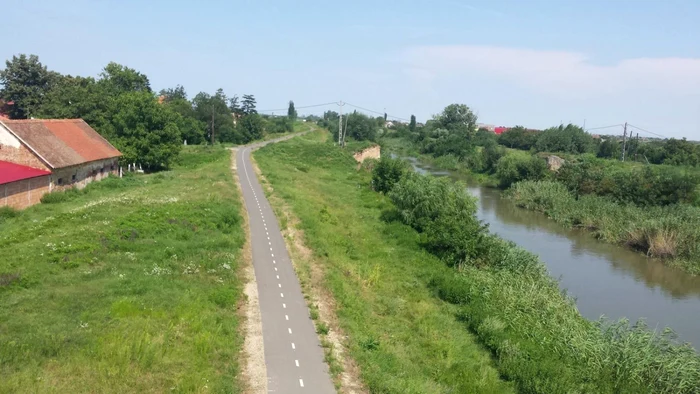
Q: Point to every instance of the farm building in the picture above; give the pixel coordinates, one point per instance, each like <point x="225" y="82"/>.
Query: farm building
<point x="38" y="156"/>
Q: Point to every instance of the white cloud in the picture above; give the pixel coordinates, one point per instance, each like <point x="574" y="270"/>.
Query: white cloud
<point x="558" y="73"/>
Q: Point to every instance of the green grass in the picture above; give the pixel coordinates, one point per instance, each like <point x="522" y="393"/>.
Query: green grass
<point x="130" y="285"/>
<point x="403" y="338"/>
<point x="669" y="232"/>
<point x="415" y="325"/>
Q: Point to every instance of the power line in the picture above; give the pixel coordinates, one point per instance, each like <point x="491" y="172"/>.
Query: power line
<point x="604" y="127"/>
<point x="295" y="107"/>
<point x="378" y="113"/>
<point x="647" y="131"/>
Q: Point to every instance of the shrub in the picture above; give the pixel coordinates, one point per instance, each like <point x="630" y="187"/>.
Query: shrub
<point x="514" y="168"/>
<point x="387" y="172"/>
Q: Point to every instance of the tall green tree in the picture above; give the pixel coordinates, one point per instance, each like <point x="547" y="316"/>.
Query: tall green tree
<point x="248" y="104"/>
<point x="412" y="124"/>
<point x="213" y="111"/>
<point x="291" y="111"/>
<point x="118" y="79"/>
<point x="25" y="82"/>
<point x="144" y="131"/>
<point x="235" y="106"/>
<point x="457" y="118"/>
<point x="253" y="127"/>
<point x="176" y="93"/>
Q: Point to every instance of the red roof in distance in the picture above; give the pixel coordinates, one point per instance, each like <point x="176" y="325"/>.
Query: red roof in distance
<point x="11" y="172"/>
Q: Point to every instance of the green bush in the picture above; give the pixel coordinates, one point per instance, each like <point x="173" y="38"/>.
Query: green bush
<point x="515" y="168"/>
<point x="444" y="211"/>
<point x="647" y="185"/>
<point x="505" y="295"/>
<point x="387" y="172"/>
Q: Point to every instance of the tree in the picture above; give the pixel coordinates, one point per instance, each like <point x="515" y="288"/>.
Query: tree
<point x="144" y="131"/>
<point x="177" y="93"/>
<point x="253" y="126"/>
<point x="234" y="106"/>
<point x="76" y="97"/>
<point x="518" y="137"/>
<point x="118" y="79"/>
<point x="248" y="106"/>
<point x="361" y="127"/>
<point x="412" y="125"/>
<point x="457" y="117"/>
<point x="192" y="130"/>
<point x="213" y="111"/>
<point x="291" y="112"/>
<point x="569" y="139"/>
<point x="25" y="82"/>
<point x="610" y="148"/>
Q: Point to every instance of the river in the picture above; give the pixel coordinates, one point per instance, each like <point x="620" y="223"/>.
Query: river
<point x="604" y="279"/>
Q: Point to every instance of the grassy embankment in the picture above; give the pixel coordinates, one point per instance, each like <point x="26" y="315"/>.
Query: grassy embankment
<point x="403" y="338"/>
<point x="413" y="322"/>
<point x="128" y="286"/>
<point x="670" y="232"/>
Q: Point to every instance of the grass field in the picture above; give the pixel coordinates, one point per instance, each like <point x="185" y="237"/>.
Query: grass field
<point x="131" y="285"/>
<point x="404" y="339"/>
<point x="497" y="323"/>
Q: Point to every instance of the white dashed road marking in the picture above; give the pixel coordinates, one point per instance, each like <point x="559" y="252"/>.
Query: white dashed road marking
<point x="301" y="383"/>
<point x="296" y="362"/>
<point x="293" y="347"/>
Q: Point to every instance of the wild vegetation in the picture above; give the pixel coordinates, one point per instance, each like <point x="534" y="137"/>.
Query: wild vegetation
<point x="413" y="296"/>
<point x="403" y="338"/>
<point x="671" y="232"/>
<point x="149" y="128"/>
<point x="130" y="285"/>
<point x="510" y="302"/>
<point x="517" y="155"/>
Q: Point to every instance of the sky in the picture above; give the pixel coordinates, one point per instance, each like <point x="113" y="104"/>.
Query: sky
<point x="535" y="63"/>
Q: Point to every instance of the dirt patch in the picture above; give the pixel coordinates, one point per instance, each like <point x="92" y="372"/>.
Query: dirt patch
<point x="311" y="274"/>
<point x="253" y="357"/>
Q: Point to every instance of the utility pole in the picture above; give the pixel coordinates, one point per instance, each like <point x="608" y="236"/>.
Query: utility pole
<point x="340" y="123"/>
<point x="636" y="148"/>
<point x="624" y="142"/>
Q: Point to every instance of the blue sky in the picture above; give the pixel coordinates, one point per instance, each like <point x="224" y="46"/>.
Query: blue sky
<point x="535" y="63"/>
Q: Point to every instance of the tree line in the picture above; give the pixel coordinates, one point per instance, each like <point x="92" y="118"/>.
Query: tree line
<point x="149" y="128"/>
<point x="452" y="138"/>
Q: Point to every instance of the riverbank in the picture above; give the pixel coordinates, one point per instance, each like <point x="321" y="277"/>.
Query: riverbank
<point x="130" y="285"/>
<point x="412" y="321"/>
<point x="669" y="233"/>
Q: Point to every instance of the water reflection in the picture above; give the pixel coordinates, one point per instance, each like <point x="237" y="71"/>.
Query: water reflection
<point x="605" y="279"/>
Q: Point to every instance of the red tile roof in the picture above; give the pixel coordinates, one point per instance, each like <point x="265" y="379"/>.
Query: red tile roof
<point x="11" y="172"/>
<point x="62" y="143"/>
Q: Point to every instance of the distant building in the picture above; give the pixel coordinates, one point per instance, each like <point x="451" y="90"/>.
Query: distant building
<point x="500" y="130"/>
<point x="40" y="156"/>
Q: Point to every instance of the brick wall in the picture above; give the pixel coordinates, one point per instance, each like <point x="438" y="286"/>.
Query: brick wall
<point x="24" y="193"/>
<point x="83" y="173"/>
<point x="21" y="155"/>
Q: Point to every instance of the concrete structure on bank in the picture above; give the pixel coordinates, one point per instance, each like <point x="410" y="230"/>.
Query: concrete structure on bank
<point x="69" y="152"/>
<point x="373" y="152"/>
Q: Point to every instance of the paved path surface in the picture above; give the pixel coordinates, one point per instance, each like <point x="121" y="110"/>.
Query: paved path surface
<point x="293" y="354"/>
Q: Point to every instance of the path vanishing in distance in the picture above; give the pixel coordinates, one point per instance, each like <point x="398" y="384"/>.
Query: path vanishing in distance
<point x="293" y="353"/>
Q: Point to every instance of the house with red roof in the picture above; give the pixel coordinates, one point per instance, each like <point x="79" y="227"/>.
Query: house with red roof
<point x="38" y="156"/>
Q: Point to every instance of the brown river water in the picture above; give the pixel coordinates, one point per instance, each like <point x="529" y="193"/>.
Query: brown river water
<point x="604" y="279"/>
